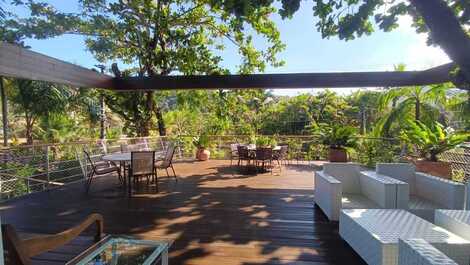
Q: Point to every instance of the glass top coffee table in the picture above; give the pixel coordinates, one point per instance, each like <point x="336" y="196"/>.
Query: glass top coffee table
<point x="121" y="250"/>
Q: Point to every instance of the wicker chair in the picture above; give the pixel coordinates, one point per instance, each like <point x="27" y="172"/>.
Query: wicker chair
<point x="97" y="169"/>
<point x="167" y="161"/>
<point x="142" y="165"/>
<point x="264" y="156"/>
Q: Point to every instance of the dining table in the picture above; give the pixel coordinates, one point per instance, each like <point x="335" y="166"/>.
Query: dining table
<point x="125" y="158"/>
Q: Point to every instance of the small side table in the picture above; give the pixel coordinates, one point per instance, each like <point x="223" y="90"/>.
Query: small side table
<point x="122" y="250"/>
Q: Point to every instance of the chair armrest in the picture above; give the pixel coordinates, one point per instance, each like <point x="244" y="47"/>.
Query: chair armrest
<point x="444" y="192"/>
<point x="418" y="251"/>
<point x="386" y="191"/>
<point x="40" y="244"/>
<point x="328" y="193"/>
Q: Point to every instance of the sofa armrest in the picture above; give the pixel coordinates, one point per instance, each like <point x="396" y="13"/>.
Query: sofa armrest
<point x="383" y="190"/>
<point x="418" y="251"/>
<point x="328" y="193"/>
<point x="444" y="192"/>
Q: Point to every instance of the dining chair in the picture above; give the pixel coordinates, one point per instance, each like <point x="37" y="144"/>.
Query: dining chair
<point x="142" y="165"/>
<point x="233" y="152"/>
<point x="281" y="156"/>
<point x="98" y="169"/>
<point x="243" y="154"/>
<point x="167" y="162"/>
<point x="264" y="155"/>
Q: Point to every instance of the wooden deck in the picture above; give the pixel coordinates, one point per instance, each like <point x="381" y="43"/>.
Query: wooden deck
<point x="214" y="215"/>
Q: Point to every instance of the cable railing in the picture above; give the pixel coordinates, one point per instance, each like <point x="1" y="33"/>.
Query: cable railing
<point x="28" y="169"/>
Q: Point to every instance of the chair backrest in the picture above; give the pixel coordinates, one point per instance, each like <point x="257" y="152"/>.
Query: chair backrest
<point x="234" y="147"/>
<point x="88" y="158"/>
<point x="264" y="153"/>
<point x="124" y="148"/>
<point x="170" y="152"/>
<point x="283" y="151"/>
<point x="242" y="151"/>
<point x="142" y="162"/>
<point x="402" y="171"/>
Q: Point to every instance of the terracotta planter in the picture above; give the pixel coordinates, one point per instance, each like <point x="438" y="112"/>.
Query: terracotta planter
<point x="438" y="169"/>
<point x="338" y="155"/>
<point x="202" y="154"/>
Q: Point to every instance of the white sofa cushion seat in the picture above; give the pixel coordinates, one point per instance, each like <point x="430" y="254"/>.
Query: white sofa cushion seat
<point x="343" y="185"/>
<point x="419" y="252"/>
<point x="357" y="201"/>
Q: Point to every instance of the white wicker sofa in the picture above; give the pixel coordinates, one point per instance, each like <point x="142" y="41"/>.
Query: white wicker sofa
<point x="375" y="233"/>
<point x="343" y="185"/>
<point x="426" y="192"/>
<point x="419" y="252"/>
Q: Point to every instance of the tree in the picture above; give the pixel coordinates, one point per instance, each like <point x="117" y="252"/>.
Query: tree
<point x="157" y="38"/>
<point x="446" y="21"/>
<point x="411" y="103"/>
<point x="37" y="99"/>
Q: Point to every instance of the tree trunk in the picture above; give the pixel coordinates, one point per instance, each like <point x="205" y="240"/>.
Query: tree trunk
<point x="29" y="130"/>
<point x="160" y="121"/>
<point x="446" y="31"/>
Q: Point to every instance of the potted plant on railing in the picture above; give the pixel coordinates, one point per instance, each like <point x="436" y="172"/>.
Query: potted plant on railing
<point x="202" y="143"/>
<point x="338" y="138"/>
<point x="430" y="142"/>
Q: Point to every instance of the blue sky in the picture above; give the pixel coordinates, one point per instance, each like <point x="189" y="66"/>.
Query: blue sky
<point x="306" y="51"/>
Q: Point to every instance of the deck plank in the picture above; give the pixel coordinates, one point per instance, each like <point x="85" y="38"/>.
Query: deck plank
<point x="213" y="214"/>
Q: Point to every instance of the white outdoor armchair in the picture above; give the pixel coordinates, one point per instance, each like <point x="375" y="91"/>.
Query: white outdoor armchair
<point x="426" y="192"/>
<point x="343" y="185"/>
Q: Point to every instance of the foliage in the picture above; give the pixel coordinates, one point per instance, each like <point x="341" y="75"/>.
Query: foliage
<point x="263" y="141"/>
<point x="411" y="103"/>
<point x="201" y="141"/>
<point x="35" y="99"/>
<point x="156" y="38"/>
<point x="432" y="140"/>
<point x="338" y="136"/>
<point x="370" y="151"/>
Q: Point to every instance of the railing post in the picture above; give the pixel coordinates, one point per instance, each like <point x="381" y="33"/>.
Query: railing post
<point x="47" y="167"/>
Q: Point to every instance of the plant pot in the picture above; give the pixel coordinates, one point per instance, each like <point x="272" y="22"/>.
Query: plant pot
<point x="438" y="169"/>
<point x="338" y="155"/>
<point x="202" y="154"/>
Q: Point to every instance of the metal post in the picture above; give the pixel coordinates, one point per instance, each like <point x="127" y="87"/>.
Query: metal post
<point x="4" y="112"/>
<point x="102" y="107"/>
<point x="47" y="167"/>
<point x="102" y="118"/>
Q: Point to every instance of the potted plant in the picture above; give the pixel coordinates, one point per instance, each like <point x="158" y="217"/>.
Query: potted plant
<point x="338" y="138"/>
<point x="264" y="141"/>
<point x="430" y="141"/>
<point x="202" y="143"/>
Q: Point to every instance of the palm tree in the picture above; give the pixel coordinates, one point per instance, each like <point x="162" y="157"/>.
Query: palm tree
<point x="411" y="103"/>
